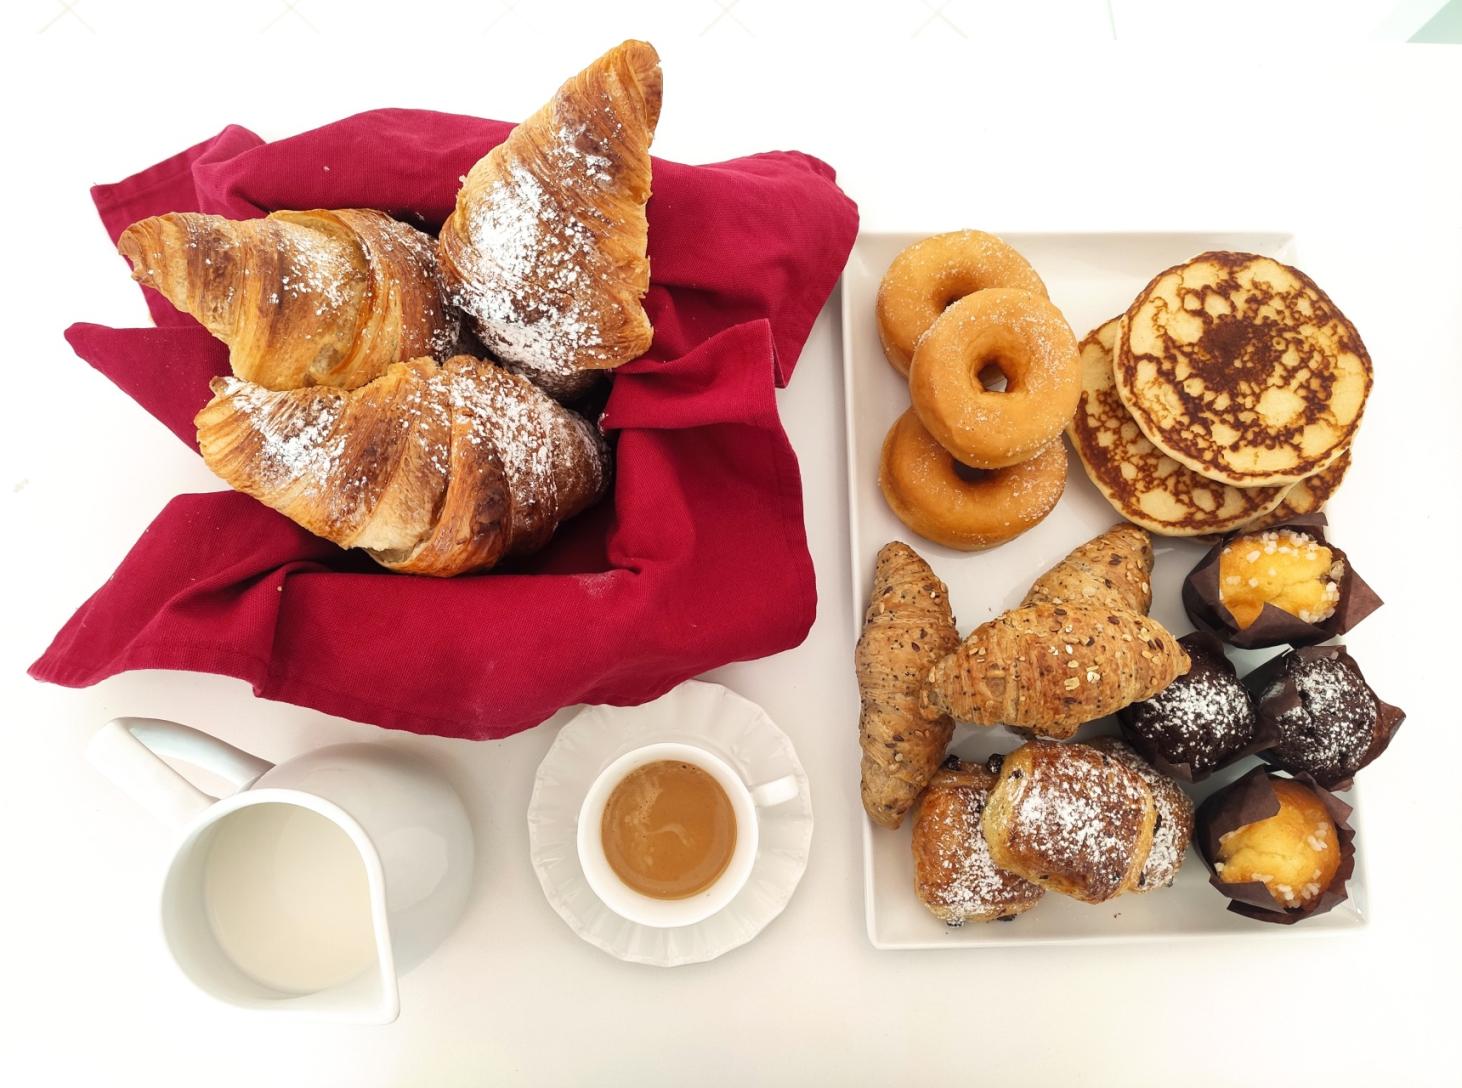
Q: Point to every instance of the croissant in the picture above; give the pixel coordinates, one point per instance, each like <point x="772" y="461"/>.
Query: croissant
<point x="909" y="626"/>
<point x="431" y="469"/>
<point x="1050" y="668"/>
<point x="1173" y="829"/>
<point x="1070" y="818"/>
<point x="545" y="251"/>
<point x="954" y="875"/>
<point x="1113" y="570"/>
<point x="301" y="298"/>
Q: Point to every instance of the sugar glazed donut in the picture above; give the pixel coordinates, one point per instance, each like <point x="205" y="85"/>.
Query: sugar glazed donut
<point x="930" y="275"/>
<point x="960" y="507"/>
<point x="1029" y="342"/>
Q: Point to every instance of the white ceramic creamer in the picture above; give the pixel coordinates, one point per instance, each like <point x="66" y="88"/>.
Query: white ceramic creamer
<point x="312" y="887"/>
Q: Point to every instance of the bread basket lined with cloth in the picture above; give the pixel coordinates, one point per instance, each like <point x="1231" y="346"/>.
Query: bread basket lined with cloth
<point x="696" y="558"/>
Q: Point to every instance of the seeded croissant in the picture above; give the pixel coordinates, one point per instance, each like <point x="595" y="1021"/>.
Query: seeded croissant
<point x="301" y="298"/>
<point x="545" y="250"/>
<point x="1113" y="570"/>
<point x="431" y="469"/>
<point x="908" y="627"/>
<point x="1050" y="668"/>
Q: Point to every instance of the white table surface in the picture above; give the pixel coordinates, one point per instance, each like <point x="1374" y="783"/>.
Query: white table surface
<point x="1354" y="150"/>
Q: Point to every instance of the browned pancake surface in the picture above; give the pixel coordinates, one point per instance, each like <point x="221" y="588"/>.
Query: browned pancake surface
<point x="1145" y="485"/>
<point x="1242" y="369"/>
<point x="1309" y="496"/>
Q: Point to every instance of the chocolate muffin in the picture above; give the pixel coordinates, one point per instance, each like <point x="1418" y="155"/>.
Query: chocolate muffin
<point x="1328" y="721"/>
<point x="1200" y="722"/>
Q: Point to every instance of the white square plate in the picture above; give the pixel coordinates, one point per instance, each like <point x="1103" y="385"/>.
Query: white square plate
<point x="1091" y="277"/>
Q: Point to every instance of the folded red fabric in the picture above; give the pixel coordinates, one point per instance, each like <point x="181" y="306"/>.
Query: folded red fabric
<point x="697" y="558"/>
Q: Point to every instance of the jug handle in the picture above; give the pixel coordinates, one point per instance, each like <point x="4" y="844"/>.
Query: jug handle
<point x="129" y="751"/>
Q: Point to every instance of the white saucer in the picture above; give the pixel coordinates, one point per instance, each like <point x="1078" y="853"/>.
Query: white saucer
<point x="739" y="732"/>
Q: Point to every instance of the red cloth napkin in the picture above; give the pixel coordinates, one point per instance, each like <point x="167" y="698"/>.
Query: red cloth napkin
<point x="696" y="559"/>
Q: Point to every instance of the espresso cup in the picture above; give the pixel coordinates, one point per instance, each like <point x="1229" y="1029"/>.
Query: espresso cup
<point x="667" y="913"/>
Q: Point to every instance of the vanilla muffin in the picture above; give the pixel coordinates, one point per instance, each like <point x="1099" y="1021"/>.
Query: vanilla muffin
<point x="1288" y="569"/>
<point x="1295" y="853"/>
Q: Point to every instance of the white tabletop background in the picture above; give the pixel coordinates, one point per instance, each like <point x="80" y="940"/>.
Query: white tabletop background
<point x="936" y="115"/>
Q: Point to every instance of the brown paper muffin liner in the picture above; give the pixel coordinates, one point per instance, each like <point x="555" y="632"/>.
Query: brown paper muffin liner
<point x="1269" y="711"/>
<point x="1275" y="627"/>
<point x="1208" y="646"/>
<point x="1249" y="800"/>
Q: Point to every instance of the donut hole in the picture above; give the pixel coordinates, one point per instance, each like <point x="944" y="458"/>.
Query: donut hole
<point x="993" y="377"/>
<point x="970" y="475"/>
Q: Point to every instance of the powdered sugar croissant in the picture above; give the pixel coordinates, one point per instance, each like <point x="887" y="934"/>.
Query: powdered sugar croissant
<point x="431" y="469"/>
<point x="545" y="250"/>
<point x="301" y="298"/>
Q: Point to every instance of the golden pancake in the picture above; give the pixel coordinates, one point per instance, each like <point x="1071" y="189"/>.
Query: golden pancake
<point x="1242" y="369"/>
<point x="1309" y="496"/>
<point x="1144" y="484"/>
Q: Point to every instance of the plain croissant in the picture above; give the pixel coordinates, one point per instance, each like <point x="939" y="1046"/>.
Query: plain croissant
<point x="301" y="298"/>
<point x="431" y="469"/>
<point x="545" y="250"/>
<point x="1052" y="667"/>
<point x="908" y="627"/>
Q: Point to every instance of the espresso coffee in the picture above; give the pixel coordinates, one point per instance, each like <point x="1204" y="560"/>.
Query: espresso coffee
<point x="668" y="830"/>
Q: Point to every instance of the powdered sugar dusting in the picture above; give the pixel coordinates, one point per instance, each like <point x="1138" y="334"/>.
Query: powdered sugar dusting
<point x="1082" y="818"/>
<point x="443" y="320"/>
<point x="1332" y="728"/>
<point x="514" y="419"/>
<point x="301" y="444"/>
<point x="296" y="436"/>
<point x="315" y="266"/>
<point x="1200" y="719"/>
<point x="535" y="257"/>
<point x="1174" y="824"/>
<point x="967" y="884"/>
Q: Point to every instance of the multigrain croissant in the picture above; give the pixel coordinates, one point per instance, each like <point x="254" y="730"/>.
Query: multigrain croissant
<point x="545" y="251"/>
<point x="431" y="469"/>
<point x="1050" y="668"/>
<point x="1113" y="570"/>
<point x="908" y="627"/>
<point x="301" y="298"/>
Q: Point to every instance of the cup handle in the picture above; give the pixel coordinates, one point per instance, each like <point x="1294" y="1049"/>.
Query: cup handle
<point x="129" y="752"/>
<point x="776" y="792"/>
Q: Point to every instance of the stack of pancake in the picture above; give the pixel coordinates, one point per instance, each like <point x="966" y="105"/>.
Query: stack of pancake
<point x="1225" y="397"/>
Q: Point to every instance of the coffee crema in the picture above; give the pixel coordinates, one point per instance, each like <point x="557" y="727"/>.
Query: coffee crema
<point x="668" y="830"/>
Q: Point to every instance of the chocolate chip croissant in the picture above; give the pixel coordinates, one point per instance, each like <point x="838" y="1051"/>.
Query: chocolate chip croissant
<point x="954" y="874"/>
<point x="1070" y="818"/>
<point x="301" y="298"/>
<point x="431" y="469"/>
